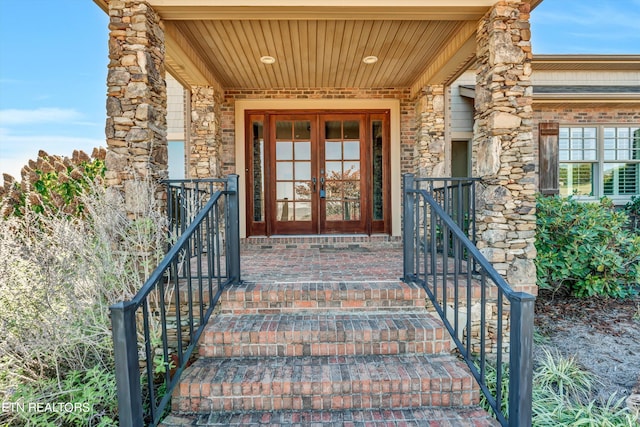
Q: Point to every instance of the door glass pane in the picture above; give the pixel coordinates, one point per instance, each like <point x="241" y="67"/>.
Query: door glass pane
<point x="303" y="211"/>
<point x="333" y="130"/>
<point x="302" y="130"/>
<point x="303" y="150"/>
<point x="285" y="211"/>
<point x="351" y="129"/>
<point x="351" y="190"/>
<point x="334" y="170"/>
<point x="376" y="150"/>
<point x="284" y="171"/>
<point x="352" y="150"/>
<point x="351" y="210"/>
<point x="284" y="151"/>
<point x="333" y="150"/>
<point x="334" y="190"/>
<point x="284" y="190"/>
<point x="283" y="130"/>
<point x="303" y="190"/>
<point x="257" y="138"/>
<point x="303" y="171"/>
<point x="334" y="211"/>
<point x="351" y="170"/>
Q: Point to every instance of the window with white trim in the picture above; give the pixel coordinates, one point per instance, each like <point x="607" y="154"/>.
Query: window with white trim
<point x="596" y="161"/>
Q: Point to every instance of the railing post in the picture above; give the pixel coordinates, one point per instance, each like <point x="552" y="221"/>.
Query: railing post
<point x="408" y="213"/>
<point x="233" y="229"/>
<point x="125" y="343"/>
<point x="521" y="360"/>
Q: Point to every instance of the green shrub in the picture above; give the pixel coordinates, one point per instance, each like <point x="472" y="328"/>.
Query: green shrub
<point x="82" y="398"/>
<point x="59" y="274"/>
<point x="633" y="206"/>
<point x="53" y="184"/>
<point x="561" y="396"/>
<point x="586" y="248"/>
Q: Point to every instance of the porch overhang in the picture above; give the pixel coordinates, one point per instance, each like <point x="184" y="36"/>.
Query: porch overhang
<point x="318" y="43"/>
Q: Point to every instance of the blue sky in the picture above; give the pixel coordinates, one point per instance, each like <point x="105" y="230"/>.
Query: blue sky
<point x="53" y="65"/>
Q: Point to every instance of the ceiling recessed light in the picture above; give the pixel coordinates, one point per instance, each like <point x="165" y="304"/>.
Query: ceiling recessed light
<point x="267" y="59"/>
<point x="370" y="59"/>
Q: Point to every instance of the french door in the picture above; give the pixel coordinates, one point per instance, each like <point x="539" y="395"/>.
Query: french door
<point x="317" y="172"/>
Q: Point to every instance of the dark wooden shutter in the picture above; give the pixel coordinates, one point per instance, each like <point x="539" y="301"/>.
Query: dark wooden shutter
<point x="548" y="144"/>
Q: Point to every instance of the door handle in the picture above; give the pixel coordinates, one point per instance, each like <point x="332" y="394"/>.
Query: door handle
<point x="313" y="180"/>
<point x="322" y="192"/>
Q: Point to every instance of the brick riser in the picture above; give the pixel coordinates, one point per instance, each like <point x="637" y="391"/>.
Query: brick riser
<point x="325" y="383"/>
<point x="417" y="417"/>
<point x="251" y="298"/>
<point x="322" y="335"/>
<point x="297" y="351"/>
<point x="321" y="242"/>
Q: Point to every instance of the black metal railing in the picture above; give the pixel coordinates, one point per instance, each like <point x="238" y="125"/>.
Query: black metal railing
<point x="457" y="196"/>
<point x="156" y="332"/>
<point x="187" y="197"/>
<point x="490" y="324"/>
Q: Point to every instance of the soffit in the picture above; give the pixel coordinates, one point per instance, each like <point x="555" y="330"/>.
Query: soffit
<point x="319" y="43"/>
<point x="317" y="53"/>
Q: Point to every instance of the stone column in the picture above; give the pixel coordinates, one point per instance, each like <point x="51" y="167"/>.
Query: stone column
<point x="136" y="127"/>
<point x="504" y="153"/>
<point x="430" y="139"/>
<point x="206" y="134"/>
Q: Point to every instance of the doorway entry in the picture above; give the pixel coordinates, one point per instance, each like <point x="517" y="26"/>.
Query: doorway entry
<point x="317" y="172"/>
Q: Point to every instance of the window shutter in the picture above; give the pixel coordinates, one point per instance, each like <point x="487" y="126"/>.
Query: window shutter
<point x="548" y="147"/>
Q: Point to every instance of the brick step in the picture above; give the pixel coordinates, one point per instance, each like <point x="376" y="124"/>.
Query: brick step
<point x="270" y="298"/>
<point x="343" y="241"/>
<point x="414" y="417"/>
<point x="328" y="334"/>
<point x="325" y="383"/>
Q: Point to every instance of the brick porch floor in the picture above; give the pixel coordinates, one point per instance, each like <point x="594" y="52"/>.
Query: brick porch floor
<point x="321" y="264"/>
<point x="324" y="334"/>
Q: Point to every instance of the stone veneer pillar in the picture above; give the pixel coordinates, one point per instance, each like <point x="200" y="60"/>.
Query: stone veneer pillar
<point x="136" y="127"/>
<point x="504" y="153"/>
<point x="206" y="134"/>
<point x="430" y="140"/>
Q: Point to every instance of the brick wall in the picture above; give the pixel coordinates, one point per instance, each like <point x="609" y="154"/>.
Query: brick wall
<point x="580" y="115"/>
<point x="407" y="114"/>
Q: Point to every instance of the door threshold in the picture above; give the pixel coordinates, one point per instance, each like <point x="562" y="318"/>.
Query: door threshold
<point x="316" y="241"/>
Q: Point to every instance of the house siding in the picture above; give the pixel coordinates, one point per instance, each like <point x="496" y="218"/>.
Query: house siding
<point x="586" y="78"/>
<point x="175" y="109"/>
<point x="461" y="108"/>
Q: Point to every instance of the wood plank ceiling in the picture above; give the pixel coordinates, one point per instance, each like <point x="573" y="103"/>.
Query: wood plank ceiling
<point x="317" y="53"/>
<point x="318" y="43"/>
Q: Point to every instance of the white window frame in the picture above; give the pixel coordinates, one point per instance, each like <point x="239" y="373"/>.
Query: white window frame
<point x="599" y="162"/>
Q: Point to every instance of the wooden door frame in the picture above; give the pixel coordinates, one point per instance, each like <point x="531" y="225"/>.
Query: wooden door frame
<point x="370" y="226"/>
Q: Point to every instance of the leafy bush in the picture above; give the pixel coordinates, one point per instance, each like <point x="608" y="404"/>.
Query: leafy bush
<point x="585" y="248"/>
<point x="561" y="396"/>
<point x="633" y="206"/>
<point x="561" y="391"/>
<point x="53" y="183"/>
<point x="59" y="274"/>
<point x="82" y="398"/>
<point x="633" y="209"/>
